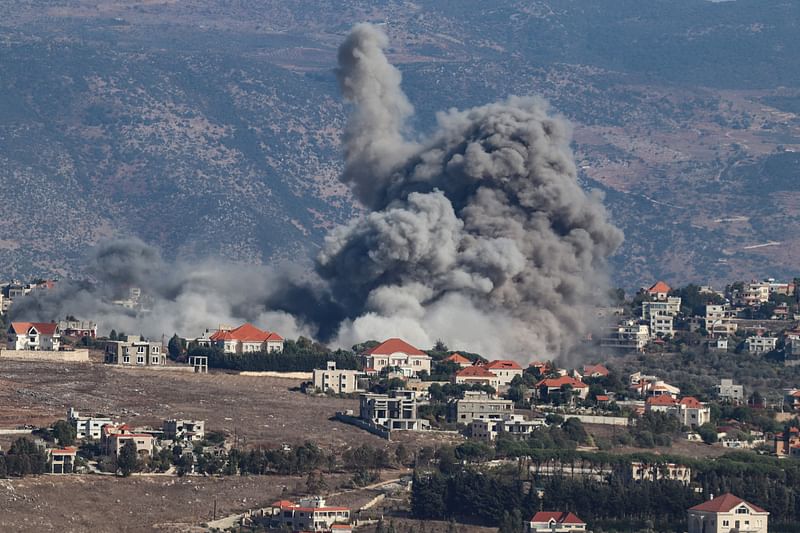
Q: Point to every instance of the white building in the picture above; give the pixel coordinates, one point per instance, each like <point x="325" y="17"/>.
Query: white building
<point x="726" y="390"/>
<point x="759" y="344"/>
<point x="658" y="471"/>
<point x="505" y="371"/>
<point x="337" y="380"/>
<point x="38" y="336"/>
<point x="725" y="514"/>
<point x="755" y="293"/>
<point x="396" y="353"/>
<point x="555" y="522"/>
<point x="310" y="514"/>
<point x="660" y="314"/>
<point x="628" y="335"/>
<point x="246" y="339"/>
<point x="514" y="426"/>
<point x="396" y="410"/>
<point x="88" y="427"/>
<point x="135" y="351"/>
<point x="184" y="430"/>
<point x="688" y="410"/>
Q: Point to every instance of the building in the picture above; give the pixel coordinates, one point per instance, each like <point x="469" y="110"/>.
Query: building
<point x="113" y="438"/>
<point x="719" y="321"/>
<point x="659" y="315"/>
<point x="505" y="371"/>
<point x="759" y="344"/>
<point x="37" y="336"/>
<point x="397" y="353"/>
<point x="595" y="371"/>
<point x="786" y="443"/>
<point x="476" y="375"/>
<point x="478" y="406"/>
<point x="647" y="386"/>
<point x="310" y="514"/>
<point x="337" y="381"/>
<point x="555" y="522"/>
<point x="78" y="328"/>
<point x="87" y="427"/>
<point x="184" y="430"/>
<point x="755" y="293"/>
<point x="658" y="291"/>
<point x="510" y="425"/>
<point x="727" y="391"/>
<point x="62" y="461"/>
<point x="627" y="335"/>
<point x="639" y="471"/>
<point x="135" y="351"/>
<point x="688" y="410"/>
<point x="396" y="410"/>
<point x="546" y="387"/>
<point x="725" y="514"/>
<point x="458" y="359"/>
<point x="246" y="339"/>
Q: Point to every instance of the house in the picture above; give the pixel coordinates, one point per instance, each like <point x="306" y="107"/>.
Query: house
<point x="505" y="371"/>
<point x="725" y="514"/>
<point x="759" y="344"/>
<point x="38" y="336"/>
<point x="719" y="321"/>
<point x="659" y="315"/>
<point x="135" y="351"/>
<point x="659" y="291"/>
<point x="511" y="425"/>
<point x="62" y="461"/>
<point x="719" y="344"/>
<point x="755" y="293"/>
<point x="397" y="353"/>
<point x="336" y="380"/>
<point x="78" y="328"/>
<point x="548" y="386"/>
<point x="660" y="404"/>
<point x="113" y="438"/>
<point x="246" y="339"/>
<point x="627" y="335"/>
<point x="595" y="371"/>
<point x="727" y="391"/>
<point x="184" y="430"/>
<point x="478" y="405"/>
<point x="785" y="443"/>
<point x="310" y="514"/>
<point x="639" y="471"/>
<point x="476" y="375"/>
<point x="396" y="410"/>
<point x="87" y="427"/>
<point x="647" y="386"/>
<point x="555" y="522"/>
<point x="688" y="410"/>
<point x="458" y="359"/>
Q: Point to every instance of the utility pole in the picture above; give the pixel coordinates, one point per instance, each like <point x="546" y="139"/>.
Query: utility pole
<point x="215" y="509"/>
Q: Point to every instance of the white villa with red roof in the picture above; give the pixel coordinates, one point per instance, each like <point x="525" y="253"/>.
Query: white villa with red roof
<point x="458" y="359"/>
<point x="311" y="514"/>
<point x="659" y="291"/>
<point x="688" y="410"/>
<point x="246" y="339"/>
<point x="476" y="375"/>
<point x="550" y="385"/>
<point x="397" y="353"/>
<point x="34" y="336"/>
<point x="505" y="371"/>
<point x="555" y="521"/>
<point x="725" y="514"/>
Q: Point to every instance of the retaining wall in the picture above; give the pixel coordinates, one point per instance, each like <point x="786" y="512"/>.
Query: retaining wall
<point x="75" y="356"/>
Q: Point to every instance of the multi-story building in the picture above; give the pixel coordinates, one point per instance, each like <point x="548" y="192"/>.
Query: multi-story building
<point x="396" y="410"/>
<point x="38" y="336"/>
<point x="639" y="471"/>
<point x="78" y="328"/>
<point x="760" y="344"/>
<point x="87" y="427"/>
<point x="660" y="314"/>
<point x="337" y="380"/>
<point x="62" y="461"/>
<point x="555" y="522"/>
<point x="478" y="405"/>
<point x="184" y="430"/>
<point x="246" y="339"/>
<point x="397" y="353"/>
<point x="135" y="351"/>
<point x="728" y="391"/>
<point x="627" y="335"/>
<point x="310" y="514"/>
<point x="689" y="411"/>
<point x="113" y="438"/>
<point x="755" y="293"/>
<point x="510" y="425"/>
<point x="505" y="371"/>
<point x="476" y="375"/>
<point x="659" y="291"/>
<point x="725" y="514"/>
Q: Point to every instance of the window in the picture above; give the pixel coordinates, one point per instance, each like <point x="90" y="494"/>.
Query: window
<point x="742" y="510"/>
<point x="126" y="358"/>
<point x="140" y="360"/>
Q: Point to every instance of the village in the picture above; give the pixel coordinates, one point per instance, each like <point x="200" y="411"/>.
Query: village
<point x="433" y="414"/>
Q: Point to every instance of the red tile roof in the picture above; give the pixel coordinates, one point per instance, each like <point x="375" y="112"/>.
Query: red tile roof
<point x="502" y="364"/>
<point x="69" y="450"/>
<point x="475" y="372"/>
<point x="723" y="504"/>
<point x="458" y="359"/>
<point x="592" y="370"/>
<point x="557" y="383"/>
<point x="691" y="402"/>
<point x="44" y="328"/>
<point x="558" y="516"/>
<point x="391" y="346"/>
<point x="602" y="398"/>
<point x="245" y="333"/>
<point x="663" y="400"/>
<point x="660" y="286"/>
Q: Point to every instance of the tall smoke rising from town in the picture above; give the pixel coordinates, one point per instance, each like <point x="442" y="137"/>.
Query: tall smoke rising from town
<point x="478" y="235"/>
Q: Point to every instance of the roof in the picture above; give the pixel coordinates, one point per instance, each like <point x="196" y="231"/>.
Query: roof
<point x="558" y="516"/>
<point x="723" y="504"/>
<point x="691" y="402"/>
<point x="590" y="370"/>
<point x="502" y="364"/>
<point x="602" y="398"/>
<point x="658" y="287"/>
<point x="458" y="359"/>
<point x="475" y="372"/>
<point x="553" y="383"/>
<point x="69" y="450"/>
<point x="245" y="333"/>
<point x="391" y="346"/>
<point x="663" y="400"/>
<point x="44" y="328"/>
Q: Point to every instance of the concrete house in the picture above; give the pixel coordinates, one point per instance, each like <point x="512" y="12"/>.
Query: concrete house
<point x="310" y="514"/>
<point x="478" y="406"/>
<point x="337" y="380"/>
<point x="728" y="391"/>
<point x="726" y="514"/>
<point x="246" y="339"/>
<point x="397" y="353"/>
<point x="44" y="336"/>
<point x="759" y="344"/>
<point x="184" y="430"/>
<point x="62" y="461"/>
<point x="78" y="328"/>
<point x="555" y="522"/>
<point x="87" y="427"/>
<point x="476" y="375"/>
<point x="135" y="351"/>
<point x="115" y="437"/>
<point x="396" y="410"/>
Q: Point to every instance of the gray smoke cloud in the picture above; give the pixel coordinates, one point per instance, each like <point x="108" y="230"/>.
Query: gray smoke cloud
<point x="478" y="234"/>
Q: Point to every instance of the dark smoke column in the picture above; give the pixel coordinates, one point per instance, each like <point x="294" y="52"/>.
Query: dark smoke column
<point x="479" y="235"/>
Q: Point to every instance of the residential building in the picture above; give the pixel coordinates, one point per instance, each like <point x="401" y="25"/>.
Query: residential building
<point x="728" y="391"/>
<point x="478" y="405"/>
<point x="546" y="387"/>
<point x="37" y="336"/>
<point x="510" y="425"/>
<point x="87" y="427"/>
<point x="184" y="430"/>
<point x="310" y="514"/>
<point x="396" y="410"/>
<point x="397" y="353"/>
<point x="627" y="335"/>
<point x="476" y="375"/>
<point x="659" y="291"/>
<point x="135" y="351"/>
<point x="759" y="344"/>
<point x="505" y="371"/>
<point x="792" y="348"/>
<point x="639" y="471"/>
<point x="755" y="293"/>
<point x="648" y="386"/>
<point x="791" y="399"/>
<point x="113" y="438"/>
<point x="337" y="380"/>
<point x="458" y="359"/>
<point x="62" y="461"/>
<point x="555" y="522"/>
<point x="595" y="371"/>
<point x="719" y="344"/>
<point x="688" y="410"/>
<point x="720" y="321"/>
<point x="726" y="514"/>
<point x="246" y="339"/>
<point x="787" y="443"/>
<point x="660" y="314"/>
<point x="78" y="328"/>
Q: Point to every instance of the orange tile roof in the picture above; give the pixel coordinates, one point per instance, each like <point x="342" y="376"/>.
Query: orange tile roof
<point x="45" y="328"/>
<point x="475" y="372"/>
<point x="691" y="402"/>
<point x="458" y="359"/>
<point x="659" y="286"/>
<point x="591" y="370"/>
<point x="663" y="400"/>
<point x="552" y="383"/>
<point x="602" y="398"/>
<point x="391" y="346"/>
<point x="723" y="504"/>
<point x="245" y="333"/>
<point x="558" y="516"/>
<point x="503" y="364"/>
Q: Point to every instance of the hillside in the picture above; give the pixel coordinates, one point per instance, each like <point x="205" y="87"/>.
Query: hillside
<point x="213" y="128"/>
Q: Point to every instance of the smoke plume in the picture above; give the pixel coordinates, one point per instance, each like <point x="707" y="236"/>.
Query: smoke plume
<point x="478" y="235"/>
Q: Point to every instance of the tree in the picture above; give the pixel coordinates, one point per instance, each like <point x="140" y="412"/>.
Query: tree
<point x="401" y="454"/>
<point x="128" y="459"/>
<point x="24" y="458"/>
<point x="175" y="347"/>
<point x="708" y="432"/>
<point x="65" y="433"/>
<point x="113" y="335"/>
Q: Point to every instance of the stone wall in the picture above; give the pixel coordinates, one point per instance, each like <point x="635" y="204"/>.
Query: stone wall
<point x="75" y="356"/>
